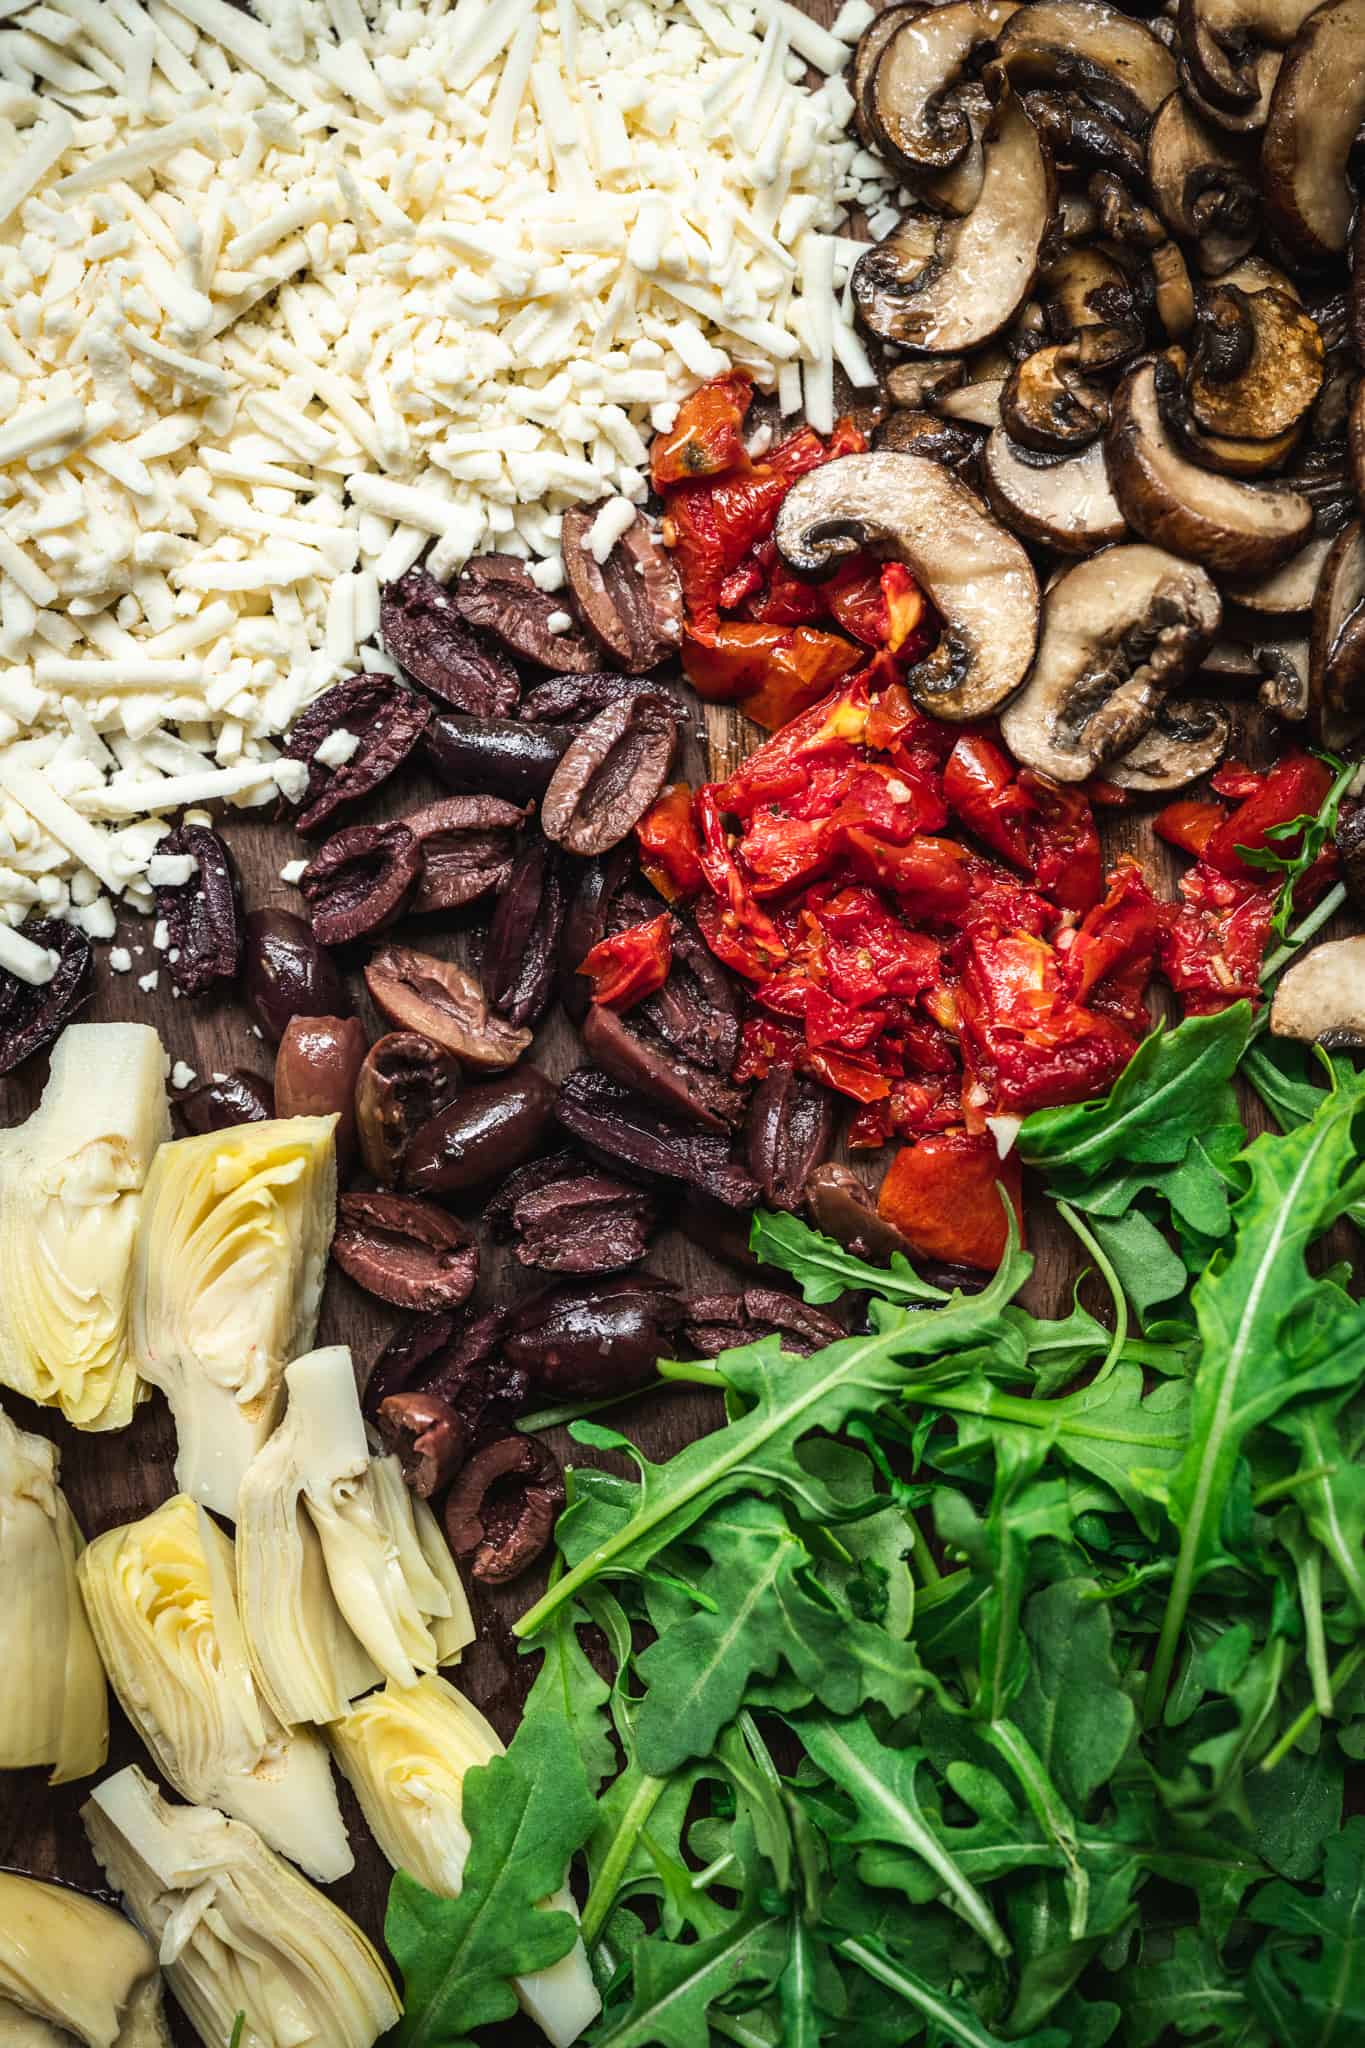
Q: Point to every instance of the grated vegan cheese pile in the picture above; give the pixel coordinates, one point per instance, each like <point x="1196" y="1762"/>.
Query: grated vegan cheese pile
<point x="284" y="299"/>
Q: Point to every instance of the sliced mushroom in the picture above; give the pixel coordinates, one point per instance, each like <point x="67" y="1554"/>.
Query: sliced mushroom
<point x="1173" y="292"/>
<point x="1088" y="298"/>
<point x="1225" y="453"/>
<point x="871" y="43"/>
<point x="1118" y="632"/>
<point x="971" y="276"/>
<point x="1187" y="739"/>
<point x="1064" y="503"/>
<point x="915" y="103"/>
<point x="1258" y="366"/>
<point x="1232" y="527"/>
<point x="1247" y="120"/>
<point x="1256" y="274"/>
<point x="919" y="433"/>
<point x="1284" y="666"/>
<point x="1221" y="41"/>
<point x="915" y="383"/>
<point x="1087" y="47"/>
<point x="1316" y="112"/>
<point x="1321" y="998"/>
<point x="1287" y="590"/>
<point x="977" y="576"/>
<point x="1077" y="133"/>
<point x="1336" y="662"/>
<point x="1356" y="438"/>
<point x="1230" y="667"/>
<point x="1049" y="404"/>
<point x="1203" y="186"/>
<point x="976" y="405"/>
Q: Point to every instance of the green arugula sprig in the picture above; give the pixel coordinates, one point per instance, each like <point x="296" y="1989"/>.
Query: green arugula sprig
<point x="1311" y="831"/>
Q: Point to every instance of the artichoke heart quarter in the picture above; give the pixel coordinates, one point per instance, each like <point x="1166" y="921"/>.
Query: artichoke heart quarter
<point x="405" y="1753"/>
<point x="237" y="1930"/>
<point x="231" y="1257"/>
<point x="71" y="1190"/>
<point x="53" y="1705"/>
<point x="342" y="1574"/>
<point x="73" y="1970"/>
<point x="162" y="1601"/>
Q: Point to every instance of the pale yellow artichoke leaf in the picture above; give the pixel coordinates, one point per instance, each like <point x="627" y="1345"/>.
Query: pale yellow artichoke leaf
<point x="73" y="1969"/>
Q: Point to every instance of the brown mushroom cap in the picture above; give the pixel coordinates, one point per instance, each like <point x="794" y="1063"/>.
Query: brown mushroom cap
<point x="939" y="287"/>
<point x="1247" y="120"/>
<point x="1049" y="404"/>
<point x="1356" y="438"/>
<point x="1088" y="47"/>
<point x="1203" y="185"/>
<point x="1064" y="502"/>
<point x="915" y="100"/>
<point x="977" y="576"/>
<point x="1229" y="526"/>
<point x="1117" y="632"/>
<point x="1336" y="661"/>
<point x="1321" y="998"/>
<point x="1316" y="112"/>
<point x="1221" y="41"/>
<point x="1268" y="393"/>
<point x="1187" y="739"/>
<point x="1287" y="590"/>
<point x="870" y="45"/>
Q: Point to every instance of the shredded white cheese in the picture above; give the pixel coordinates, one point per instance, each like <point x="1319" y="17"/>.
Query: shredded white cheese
<point x="286" y="298"/>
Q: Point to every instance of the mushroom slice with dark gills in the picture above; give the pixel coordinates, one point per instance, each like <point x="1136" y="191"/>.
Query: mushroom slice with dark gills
<point x="1203" y="184"/>
<point x="1049" y="404"/>
<point x="1086" y="47"/>
<point x="927" y="113"/>
<point x="1118" y="632"/>
<point x="941" y="286"/>
<point x="1223" y="41"/>
<point x="1258" y="367"/>
<point x="976" y="575"/>
<point x="1336" y="661"/>
<point x="1321" y="998"/>
<point x="1064" y="502"/>
<point x="1316" y="112"/>
<point x="1187" y="739"/>
<point x="1236" y="528"/>
<point x="1248" y="120"/>
<point x="866" y="56"/>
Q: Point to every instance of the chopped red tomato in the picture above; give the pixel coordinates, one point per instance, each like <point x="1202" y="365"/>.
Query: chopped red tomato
<point x="708" y="434"/>
<point x="981" y="785"/>
<point x="670" y="844"/>
<point x="1066" y="862"/>
<point x="631" y="964"/>
<point x="777" y="671"/>
<point x="943" y="1194"/>
<point x="1294" y="788"/>
<point x="1188" y="825"/>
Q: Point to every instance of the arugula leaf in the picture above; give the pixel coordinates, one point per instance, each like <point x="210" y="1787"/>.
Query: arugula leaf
<point x="526" y="1812"/>
<point x="825" y="1270"/>
<point x="1072" y="1707"/>
<point x="1314" y="2000"/>
<point x="568" y="1684"/>
<point x="676" y="1986"/>
<point x="1188" y="1989"/>
<point x="1175" y="1086"/>
<point x="1269" y="1332"/>
<point x="785" y="1399"/>
<point x="953" y="2019"/>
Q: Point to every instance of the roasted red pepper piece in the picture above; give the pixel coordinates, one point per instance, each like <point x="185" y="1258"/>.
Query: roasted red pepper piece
<point x="943" y="1195"/>
<point x="1109" y="959"/>
<point x="929" y="877"/>
<point x="1294" y="787"/>
<point x="775" y="672"/>
<point x="1065" y="843"/>
<point x="1189" y="824"/>
<point x="781" y="768"/>
<point x="708" y="435"/>
<point x="981" y="786"/>
<point x="631" y="964"/>
<point x="670" y="844"/>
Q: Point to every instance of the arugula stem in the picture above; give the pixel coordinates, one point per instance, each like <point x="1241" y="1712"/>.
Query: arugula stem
<point x="630" y="1827"/>
<point x="921" y="1555"/>
<point x="1309" y="1571"/>
<point x="1049" y="1810"/>
<point x="1346" y="1670"/>
<point x="713" y="1872"/>
<point x="1291" y="1485"/>
<point x="1111" y="1281"/>
<point x="952" y="2020"/>
<point x="579" y="1411"/>
<point x="690" y="1372"/>
<point x="1316" y="918"/>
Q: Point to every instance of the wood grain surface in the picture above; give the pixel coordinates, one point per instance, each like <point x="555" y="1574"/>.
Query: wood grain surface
<point x="111" y="1479"/>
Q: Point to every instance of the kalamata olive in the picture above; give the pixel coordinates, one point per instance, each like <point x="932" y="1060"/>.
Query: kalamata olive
<point x="635" y="1055"/>
<point x="423" y="630"/>
<point x="500" y="1513"/>
<point x="408" y="1357"/>
<point x="496" y="594"/>
<point x="407" y="1252"/>
<point x="631" y="604"/>
<point x="519" y="957"/>
<point x="316" y="1068"/>
<point x="629" y="1135"/>
<point x="239" y="1098"/>
<point x="437" y="998"/>
<point x="427" y="1437"/>
<point x="454" y="1357"/>
<point x="566" y="1216"/>
<point x="609" y="777"/>
<point x="713" y="1323"/>
<point x="843" y="1209"/>
<point x="789" y="1130"/>
<point x="383" y="716"/>
<point x="287" y="974"/>
<point x="697" y="1011"/>
<point x="484" y="1132"/>
<point x="467" y="845"/>
<point x="573" y="700"/>
<point x="598" y="1337"/>
<point x="496" y="756"/>
<point x="404" y="1082"/>
<point x="607" y="898"/>
<point x="203" y="916"/>
<point x="32" y="1016"/>
<point x="361" y="881"/>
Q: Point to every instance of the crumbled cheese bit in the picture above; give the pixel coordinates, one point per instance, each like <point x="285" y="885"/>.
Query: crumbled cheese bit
<point x="337" y="749"/>
<point x="614" y="520"/>
<point x="292" y="870"/>
<point x="148" y="982"/>
<point x="171" y="870"/>
<point x="559" y="622"/>
<point x="28" y="962"/>
<point x="182" y="1076"/>
<point x="120" y="960"/>
<point x="1004" y="1130"/>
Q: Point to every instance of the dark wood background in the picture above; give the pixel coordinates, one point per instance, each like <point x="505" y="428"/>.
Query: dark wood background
<point x="112" y="1479"/>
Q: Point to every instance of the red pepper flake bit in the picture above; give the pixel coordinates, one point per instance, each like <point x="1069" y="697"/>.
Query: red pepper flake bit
<point x="632" y="964"/>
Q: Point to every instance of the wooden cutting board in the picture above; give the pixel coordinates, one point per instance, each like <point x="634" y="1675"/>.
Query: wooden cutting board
<point x="113" y="1479"/>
